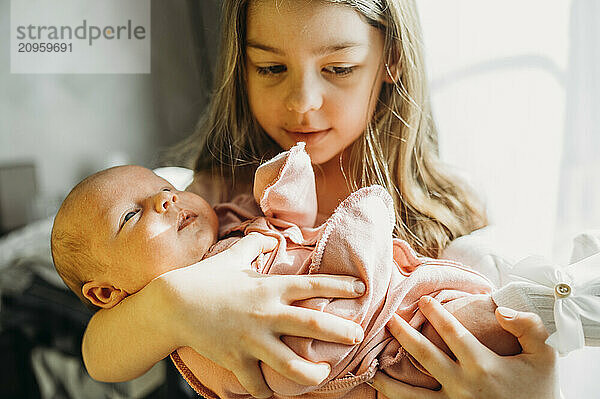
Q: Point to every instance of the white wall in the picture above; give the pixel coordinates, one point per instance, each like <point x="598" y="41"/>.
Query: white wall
<point x="497" y="74"/>
<point x="71" y="125"/>
<point x="515" y="95"/>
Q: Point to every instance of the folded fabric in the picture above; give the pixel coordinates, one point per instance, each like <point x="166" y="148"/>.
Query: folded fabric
<point x="357" y="241"/>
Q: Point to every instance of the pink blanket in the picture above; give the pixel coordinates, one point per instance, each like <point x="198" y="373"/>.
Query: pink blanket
<point x="357" y="241"/>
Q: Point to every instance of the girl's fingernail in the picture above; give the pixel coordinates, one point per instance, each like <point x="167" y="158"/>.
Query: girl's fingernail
<point x="426" y="299"/>
<point x="507" y="313"/>
<point x="359" y="335"/>
<point x="359" y="287"/>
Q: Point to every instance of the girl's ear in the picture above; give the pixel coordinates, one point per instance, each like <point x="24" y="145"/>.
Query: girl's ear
<point x="103" y="295"/>
<point x="392" y="72"/>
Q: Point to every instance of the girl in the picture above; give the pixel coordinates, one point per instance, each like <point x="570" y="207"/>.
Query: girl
<point x="347" y="78"/>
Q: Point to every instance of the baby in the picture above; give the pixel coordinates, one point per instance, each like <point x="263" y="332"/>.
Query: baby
<point x="122" y="227"/>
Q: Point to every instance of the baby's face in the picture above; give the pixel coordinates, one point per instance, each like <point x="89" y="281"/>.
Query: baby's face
<point x="142" y="227"/>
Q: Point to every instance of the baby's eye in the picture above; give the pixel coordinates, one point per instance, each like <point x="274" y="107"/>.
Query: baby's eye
<point x="271" y="70"/>
<point x="339" y="70"/>
<point x="128" y="216"/>
<point x="166" y="189"/>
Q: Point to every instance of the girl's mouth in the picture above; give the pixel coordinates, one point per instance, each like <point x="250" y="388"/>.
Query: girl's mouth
<point x="184" y="219"/>
<point x="309" y="137"/>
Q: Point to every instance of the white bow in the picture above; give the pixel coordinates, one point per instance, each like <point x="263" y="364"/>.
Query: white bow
<point x="573" y="288"/>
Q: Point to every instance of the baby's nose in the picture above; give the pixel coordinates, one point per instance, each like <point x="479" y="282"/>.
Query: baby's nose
<point x="163" y="200"/>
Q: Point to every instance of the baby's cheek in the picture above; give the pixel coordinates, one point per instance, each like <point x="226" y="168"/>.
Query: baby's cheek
<point x="159" y="255"/>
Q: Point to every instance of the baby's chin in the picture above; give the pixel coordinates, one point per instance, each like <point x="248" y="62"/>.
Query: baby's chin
<point x="199" y="251"/>
<point x="220" y="246"/>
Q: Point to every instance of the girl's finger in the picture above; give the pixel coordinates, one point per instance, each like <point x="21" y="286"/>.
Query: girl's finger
<point x="287" y="363"/>
<point x="430" y="356"/>
<point x="250" y="246"/>
<point x="304" y="287"/>
<point x="461" y="342"/>
<point x="395" y="389"/>
<point x="527" y="327"/>
<point x="251" y="378"/>
<point x="309" y="323"/>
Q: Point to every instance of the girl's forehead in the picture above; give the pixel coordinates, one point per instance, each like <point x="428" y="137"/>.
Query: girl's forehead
<point x="309" y="21"/>
<point x="298" y="11"/>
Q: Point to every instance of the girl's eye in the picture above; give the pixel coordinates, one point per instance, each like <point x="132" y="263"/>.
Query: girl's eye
<point x="271" y="70"/>
<point x="166" y="189"/>
<point x="339" y="70"/>
<point x="128" y="216"/>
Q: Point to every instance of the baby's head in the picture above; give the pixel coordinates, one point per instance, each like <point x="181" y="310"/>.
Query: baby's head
<point x="122" y="227"/>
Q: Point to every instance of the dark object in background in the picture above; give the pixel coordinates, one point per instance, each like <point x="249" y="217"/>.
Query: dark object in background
<point x="185" y="41"/>
<point x="17" y="191"/>
<point x="41" y="323"/>
<point x="16" y="377"/>
<point x="40" y="316"/>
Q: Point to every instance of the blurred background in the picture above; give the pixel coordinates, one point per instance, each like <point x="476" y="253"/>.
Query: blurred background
<point x="515" y="92"/>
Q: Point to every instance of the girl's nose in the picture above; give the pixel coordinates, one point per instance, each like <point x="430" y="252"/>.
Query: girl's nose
<point x="304" y="95"/>
<point x="163" y="200"/>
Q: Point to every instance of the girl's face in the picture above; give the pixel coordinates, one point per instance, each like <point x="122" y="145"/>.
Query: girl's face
<point x="314" y="72"/>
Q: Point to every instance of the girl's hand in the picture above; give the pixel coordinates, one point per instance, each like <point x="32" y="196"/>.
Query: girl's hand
<point x="477" y="372"/>
<point x="235" y="317"/>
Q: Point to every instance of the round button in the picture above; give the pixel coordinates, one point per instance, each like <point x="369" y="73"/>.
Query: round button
<point x="562" y="290"/>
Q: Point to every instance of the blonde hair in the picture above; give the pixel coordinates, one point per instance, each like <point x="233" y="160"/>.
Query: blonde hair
<point x="398" y="150"/>
<point x="71" y="249"/>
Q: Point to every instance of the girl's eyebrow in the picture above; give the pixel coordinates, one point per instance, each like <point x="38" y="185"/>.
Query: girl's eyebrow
<point x="332" y="48"/>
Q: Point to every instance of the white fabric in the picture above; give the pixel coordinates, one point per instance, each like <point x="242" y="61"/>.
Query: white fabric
<point x="476" y="250"/>
<point x="585" y="244"/>
<point x="179" y="178"/>
<point x="583" y="280"/>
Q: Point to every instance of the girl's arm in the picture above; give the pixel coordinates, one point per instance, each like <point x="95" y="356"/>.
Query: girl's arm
<point x="225" y="312"/>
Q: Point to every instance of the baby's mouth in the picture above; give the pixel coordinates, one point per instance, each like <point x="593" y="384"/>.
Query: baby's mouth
<point x="185" y="218"/>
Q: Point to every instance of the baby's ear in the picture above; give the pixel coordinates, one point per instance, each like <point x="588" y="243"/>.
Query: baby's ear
<point x="103" y="295"/>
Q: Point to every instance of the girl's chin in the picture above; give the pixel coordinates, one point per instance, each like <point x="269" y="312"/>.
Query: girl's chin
<point x="330" y="155"/>
<point x="323" y="156"/>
